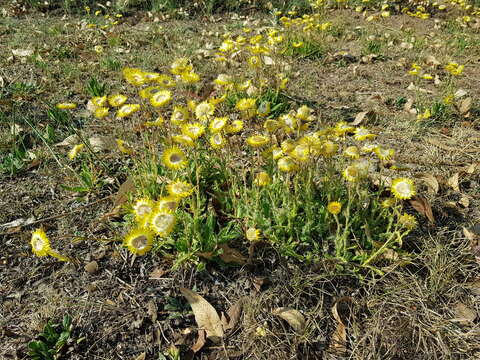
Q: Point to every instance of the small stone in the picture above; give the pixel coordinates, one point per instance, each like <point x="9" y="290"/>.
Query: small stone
<point x="91" y="267"/>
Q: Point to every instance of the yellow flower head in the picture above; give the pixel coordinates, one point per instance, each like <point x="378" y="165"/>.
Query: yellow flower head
<point x="40" y="243"/>
<point x="180" y="189"/>
<point x="235" y="127"/>
<point x="99" y="101"/>
<point x="223" y="80"/>
<point x="179" y="115"/>
<point x="139" y="241"/>
<point x="384" y="154"/>
<point x="328" y="148"/>
<point x="165" y="81"/>
<point x="343" y="128"/>
<point x="161" y="98"/>
<point x="217" y="141"/>
<point x="134" y="76"/>
<point x="264" y="108"/>
<point x="287" y="164"/>
<point x="127" y="109"/>
<point x="271" y="125"/>
<point x="162" y="222"/>
<point x="194" y="130"/>
<point x="217" y="124"/>
<point x="301" y="152"/>
<point x="66" y="106"/>
<point x="124" y="147"/>
<point x="174" y="158"/>
<point x="362" y="133"/>
<point x="204" y="110"/>
<point x="72" y="154"/>
<point x="101" y="112"/>
<point x="258" y="140"/>
<point x="407" y="221"/>
<point x="148" y="92"/>
<point x="159" y="121"/>
<point x="190" y="77"/>
<point x="117" y="100"/>
<point x="181" y="65"/>
<point x="151" y="76"/>
<point x="262" y="179"/>
<point x="245" y="104"/>
<point x="403" y="188"/>
<point x="142" y="210"/>
<point x="351" y="173"/>
<point x="352" y="152"/>
<point x="183" y="139"/>
<point x="334" y="207"/>
<point x="388" y="203"/>
<point x="168" y="203"/>
<point x="254" y="61"/>
<point x="252" y="234"/>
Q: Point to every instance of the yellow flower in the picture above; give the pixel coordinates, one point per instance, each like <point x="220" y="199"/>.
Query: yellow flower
<point x="168" y="203"/>
<point x="407" y="221"/>
<point x="343" y="128"/>
<point x="217" y="141"/>
<point x="252" y="234"/>
<point x="161" y="98"/>
<point x="99" y="101"/>
<point x="217" y="124"/>
<point x="287" y="164"/>
<point x="165" y="81"/>
<point x="277" y="152"/>
<point x="301" y="152"/>
<point x="40" y="243"/>
<point x="151" y="76"/>
<point x="283" y="84"/>
<point x="72" y="154"/>
<point x="384" y="154"/>
<point x="162" y="222"/>
<point x="334" y="207"/>
<point x="142" y="210"/>
<point x="223" y="80"/>
<point x="127" y="110"/>
<point x="298" y="44"/>
<point x="179" y="115"/>
<point x="98" y="49"/>
<point x="362" y="134"/>
<point x="254" y="61"/>
<point x="271" y="125"/>
<point x="245" y="104"/>
<point x="101" y="112"/>
<point x="328" y="148"/>
<point x="158" y="122"/>
<point x="403" y="188"/>
<point x="204" y="110"/>
<point x="180" y="189"/>
<point x="263" y="109"/>
<point x="351" y="173"/>
<point x="183" y="139"/>
<point x="134" y="76"/>
<point x="352" y="152"/>
<point x="235" y="127"/>
<point x="194" y="130"/>
<point x="304" y="113"/>
<point x="262" y="179"/>
<point x="139" y="241"/>
<point x="148" y="92"/>
<point x="190" y="77"/>
<point x="124" y="147"/>
<point x="258" y="140"/>
<point x="180" y="66"/>
<point x="174" y="158"/>
<point x="454" y="69"/>
<point x="388" y="203"/>
<point x="66" y="106"/>
<point x="117" y="100"/>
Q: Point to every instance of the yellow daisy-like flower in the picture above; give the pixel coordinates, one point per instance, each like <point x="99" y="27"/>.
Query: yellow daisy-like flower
<point x="134" y="76"/>
<point x="183" y="139"/>
<point x="99" y="101"/>
<point x="40" y="243"/>
<point x="384" y="154"/>
<point x="304" y="113"/>
<point x="245" y="104"/>
<point x="369" y="148"/>
<point x="215" y="101"/>
<point x="204" y="110"/>
<point x="403" y="188"/>
<point x="217" y="124"/>
<point x="351" y="173"/>
<point x="352" y="152"/>
<point x="117" y="100"/>
<point x="194" y="130"/>
<point x="301" y="152"/>
<point x="165" y="81"/>
<point x="127" y="109"/>
<point x="271" y="125"/>
<point x="408" y="221"/>
<point x="223" y="80"/>
<point x="343" y="128"/>
<point x="159" y="121"/>
<point x="287" y="164"/>
<point x="168" y="203"/>
<point x="180" y="66"/>
<point x="254" y="61"/>
<point x="334" y="207"/>
<point x="139" y="241"/>
<point x="262" y="179"/>
<point x="190" y="77"/>
<point x="148" y="92"/>
<point x="235" y="127"/>
<point x="142" y="210"/>
<point x="161" y="98"/>
<point x="252" y="234"/>
<point x="66" y="106"/>
<point x="72" y="154"/>
<point x="288" y="145"/>
<point x="179" y="115"/>
<point x="328" y="148"/>
<point x="277" y="152"/>
<point x="264" y="108"/>
<point x="151" y="76"/>
<point x="298" y="44"/>
<point x="174" y="158"/>
<point x="362" y="133"/>
<point x="162" y="222"/>
<point x="258" y="140"/>
<point x="124" y="147"/>
<point x="101" y="112"/>
<point x="388" y="203"/>
<point x="217" y="141"/>
<point x="180" y="189"/>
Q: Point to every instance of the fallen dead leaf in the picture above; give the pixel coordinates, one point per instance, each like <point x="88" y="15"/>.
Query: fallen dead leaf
<point x="432" y="61"/>
<point x="140" y="357"/>
<point x="22" y="52"/>
<point x="152" y="310"/>
<point x="453" y="182"/>
<point x="431" y="182"/>
<point x="293" y="317"/>
<point x="460" y="93"/>
<point x="230" y="255"/>
<point x="423" y="207"/>
<point x="157" y="273"/>
<point x="259" y="281"/>
<point x="464" y="314"/>
<point x="338" y="342"/>
<point x="475" y="287"/>
<point x="464" y="201"/>
<point x="205" y="315"/>
<point x="120" y="198"/>
<point x="200" y="341"/>
<point x="361" y="116"/>
<point x="69" y="141"/>
<point x="234" y="314"/>
<point x="465" y="105"/>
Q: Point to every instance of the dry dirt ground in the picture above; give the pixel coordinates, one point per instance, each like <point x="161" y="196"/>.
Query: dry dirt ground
<point x="426" y="309"/>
